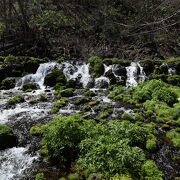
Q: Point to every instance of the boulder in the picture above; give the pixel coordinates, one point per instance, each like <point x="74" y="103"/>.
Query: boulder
<point x="8" y="83"/>
<point x="7" y="137"/>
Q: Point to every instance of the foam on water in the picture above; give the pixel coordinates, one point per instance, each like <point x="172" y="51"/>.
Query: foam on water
<point x="13" y="162"/>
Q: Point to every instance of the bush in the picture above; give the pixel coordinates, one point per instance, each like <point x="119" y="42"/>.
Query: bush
<point x="151" y="172"/>
<point x="15" y="100"/>
<point x="174" y="80"/>
<point x="62" y="137"/>
<point x="37" y="130"/>
<point x="144" y="91"/>
<point x="165" y="95"/>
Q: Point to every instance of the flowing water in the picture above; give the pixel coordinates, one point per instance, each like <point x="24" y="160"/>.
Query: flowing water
<point x="15" y="161"/>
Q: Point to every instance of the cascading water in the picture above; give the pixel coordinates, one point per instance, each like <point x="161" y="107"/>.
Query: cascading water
<point x="38" y="78"/>
<point x="135" y="74"/>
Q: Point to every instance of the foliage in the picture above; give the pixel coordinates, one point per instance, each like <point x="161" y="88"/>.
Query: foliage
<point x="174" y="137"/>
<point x="40" y="176"/>
<point x="15" y="100"/>
<point x="73" y="176"/>
<point x="59" y="104"/>
<point x="96" y="66"/>
<point x="37" y="130"/>
<point x="7" y="83"/>
<point x="151" y="172"/>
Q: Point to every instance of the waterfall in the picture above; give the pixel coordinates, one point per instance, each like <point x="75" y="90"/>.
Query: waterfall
<point x="135" y="74"/>
<point x="13" y="162"/>
<point x="78" y="71"/>
<point x="39" y="76"/>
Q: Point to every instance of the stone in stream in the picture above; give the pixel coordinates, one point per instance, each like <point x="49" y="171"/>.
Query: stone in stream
<point x="7" y="137"/>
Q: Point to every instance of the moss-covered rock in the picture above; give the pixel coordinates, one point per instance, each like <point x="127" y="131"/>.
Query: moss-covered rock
<point x="148" y="66"/>
<point x="174" y="137"/>
<point x="30" y="87"/>
<point x="7" y="137"/>
<point x="67" y="92"/>
<point x="15" y="100"/>
<point x="174" y="80"/>
<point x="37" y="130"/>
<point x="96" y="66"/>
<point x="56" y="76"/>
<point x="7" y="83"/>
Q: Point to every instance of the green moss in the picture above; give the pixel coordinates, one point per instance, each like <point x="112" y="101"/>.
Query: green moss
<point x="127" y="116"/>
<point x="40" y="176"/>
<point x="59" y="104"/>
<point x="174" y="80"/>
<point x="93" y="103"/>
<point x="96" y="66"/>
<point x="4" y="129"/>
<point x="73" y="176"/>
<point x="121" y="177"/>
<point x="56" y="76"/>
<point x="67" y="92"/>
<point x="151" y="172"/>
<point x="151" y="143"/>
<point x="104" y="115"/>
<point x="28" y="87"/>
<point x="7" y="83"/>
<point x="15" y="100"/>
<point x="174" y="137"/>
<point x="37" y="130"/>
<point x="62" y="178"/>
<point x="81" y="100"/>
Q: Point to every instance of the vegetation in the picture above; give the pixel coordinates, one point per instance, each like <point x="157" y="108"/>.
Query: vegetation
<point x="15" y="100"/>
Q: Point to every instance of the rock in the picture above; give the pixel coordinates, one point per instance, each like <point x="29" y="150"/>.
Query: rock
<point x="148" y="66"/>
<point x="31" y="87"/>
<point x="56" y="76"/>
<point x="177" y="68"/>
<point x="8" y="83"/>
<point x="119" y="70"/>
<point x="7" y="137"/>
<point x="67" y="92"/>
<point x="111" y="76"/>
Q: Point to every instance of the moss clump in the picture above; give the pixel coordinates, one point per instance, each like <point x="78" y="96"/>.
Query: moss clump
<point x="174" y="80"/>
<point x="37" y="130"/>
<point x="150" y="171"/>
<point x="127" y="116"/>
<point x="151" y="143"/>
<point x="96" y="66"/>
<point x="28" y="87"/>
<point x="7" y="137"/>
<point x="56" y="76"/>
<point x="7" y="83"/>
<point x="93" y="103"/>
<point x="15" y="100"/>
<point x="59" y="104"/>
<point x="73" y="176"/>
<point x="40" y="176"/>
<point x="67" y="92"/>
<point x="174" y="137"/>
<point x="81" y="100"/>
<point x="104" y="115"/>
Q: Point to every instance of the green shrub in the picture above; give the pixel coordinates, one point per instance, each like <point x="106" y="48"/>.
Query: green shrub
<point x="127" y="116"/>
<point x="151" y="172"/>
<point x="165" y="95"/>
<point x="15" y="100"/>
<point x="62" y="137"/>
<point x="59" y="104"/>
<point x="144" y="91"/>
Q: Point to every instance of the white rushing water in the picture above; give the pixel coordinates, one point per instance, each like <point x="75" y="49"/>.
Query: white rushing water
<point x="135" y="74"/>
<point x="13" y="162"/>
<point x="39" y="76"/>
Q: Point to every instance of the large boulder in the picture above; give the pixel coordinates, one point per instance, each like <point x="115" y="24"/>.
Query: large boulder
<point x="111" y="76"/>
<point x="56" y="76"/>
<point x="7" y="137"/>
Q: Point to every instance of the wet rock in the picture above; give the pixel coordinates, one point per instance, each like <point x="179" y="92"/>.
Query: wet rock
<point x="7" y="83"/>
<point x="56" y="76"/>
<point x="148" y="66"/>
<point x="32" y="86"/>
<point x="119" y="70"/>
<point x="111" y="76"/>
<point x="7" y="137"/>
<point x="67" y="92"/>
